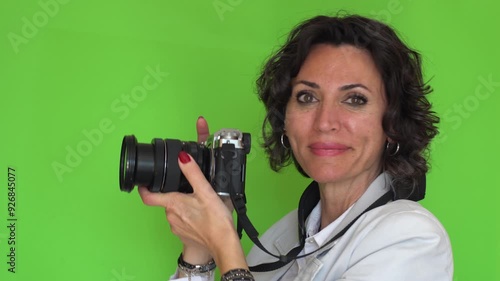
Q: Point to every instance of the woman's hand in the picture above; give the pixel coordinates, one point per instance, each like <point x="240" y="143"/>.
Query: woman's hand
<point x="200" y="219"/>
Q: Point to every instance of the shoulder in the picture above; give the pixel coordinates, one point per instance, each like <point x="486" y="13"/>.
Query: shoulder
<point x="283" y="225"/>
<point x="400" y="221"/>
<point x="399" y="239"/>
<point x="405" y="214"/>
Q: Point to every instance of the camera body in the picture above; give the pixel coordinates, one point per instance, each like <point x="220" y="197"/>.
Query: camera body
<point x="222" y="159"/>
<point x="228" y="150"/>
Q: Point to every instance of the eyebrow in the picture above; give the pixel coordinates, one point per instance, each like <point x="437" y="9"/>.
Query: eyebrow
<point x="307" y="83"/>
<point x="343" y="88"/>
<point x="352" y="86"/>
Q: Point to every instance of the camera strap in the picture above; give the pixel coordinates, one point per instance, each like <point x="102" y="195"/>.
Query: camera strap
<point x="308" y="201"/>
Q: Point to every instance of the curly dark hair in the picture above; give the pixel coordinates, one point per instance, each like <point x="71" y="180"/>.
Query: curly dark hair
<point x="408" y="120"/>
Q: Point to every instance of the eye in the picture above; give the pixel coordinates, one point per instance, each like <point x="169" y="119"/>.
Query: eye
<point x="356" y="100"/>
<point x="305" y="97"/>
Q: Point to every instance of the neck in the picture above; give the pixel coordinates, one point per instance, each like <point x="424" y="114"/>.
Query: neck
<point x="337" y="197"/>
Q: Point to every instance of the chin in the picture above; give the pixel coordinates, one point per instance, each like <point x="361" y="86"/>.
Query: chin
<point x="325" y="176"/>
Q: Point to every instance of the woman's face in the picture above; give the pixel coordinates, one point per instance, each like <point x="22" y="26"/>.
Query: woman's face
<point x="334" y="116"/>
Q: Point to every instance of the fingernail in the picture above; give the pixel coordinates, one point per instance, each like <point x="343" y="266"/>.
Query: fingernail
<point x="184" y="157"/>
<point x="201" y="117"/>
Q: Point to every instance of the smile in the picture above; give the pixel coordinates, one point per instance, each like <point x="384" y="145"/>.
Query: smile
<point x="328" y="149"/>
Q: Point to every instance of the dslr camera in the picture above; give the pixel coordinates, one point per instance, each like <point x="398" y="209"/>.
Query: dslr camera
<point x="222" y="159"/>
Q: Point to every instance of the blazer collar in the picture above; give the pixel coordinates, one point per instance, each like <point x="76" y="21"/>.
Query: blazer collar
<point x="289" y="240"/>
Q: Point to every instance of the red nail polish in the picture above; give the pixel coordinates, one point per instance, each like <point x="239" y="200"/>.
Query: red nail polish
<point x="184" y="157"/>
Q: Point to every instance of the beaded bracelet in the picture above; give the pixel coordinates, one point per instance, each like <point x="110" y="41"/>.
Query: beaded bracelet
<point x="195" y="269"/>
<point x="238" y="274"/>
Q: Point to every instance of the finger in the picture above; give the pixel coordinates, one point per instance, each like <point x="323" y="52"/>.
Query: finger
<point x="229" y="204"/>
<point x="202" y="129"/>
<point x="193" y="174"/>
<point x="156" y="199"/>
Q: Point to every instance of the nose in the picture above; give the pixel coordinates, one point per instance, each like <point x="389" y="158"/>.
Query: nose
<point x="327" y="118"/>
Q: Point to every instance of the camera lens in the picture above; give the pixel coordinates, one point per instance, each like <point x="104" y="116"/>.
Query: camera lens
<point x="155" y="165"/>
<point x="127" y="163"/>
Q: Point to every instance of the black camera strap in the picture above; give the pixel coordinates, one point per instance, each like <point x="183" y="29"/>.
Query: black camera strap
<point x="308" y="201"/>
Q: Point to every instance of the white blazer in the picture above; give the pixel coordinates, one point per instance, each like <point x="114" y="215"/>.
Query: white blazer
<point x="399" y="241"/>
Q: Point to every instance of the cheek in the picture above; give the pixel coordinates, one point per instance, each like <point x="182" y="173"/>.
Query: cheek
<point x="292" y="137"/>
<point x="375" y="142"/>
<point x="294" y="131"/>
<point x="292" y="123"/>
<point x="368" y="130"/>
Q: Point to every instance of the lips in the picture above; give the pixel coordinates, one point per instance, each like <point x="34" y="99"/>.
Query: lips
<point x="328" y="149"/>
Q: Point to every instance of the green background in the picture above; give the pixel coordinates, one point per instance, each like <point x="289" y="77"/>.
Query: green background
<point x="66" y="71"/>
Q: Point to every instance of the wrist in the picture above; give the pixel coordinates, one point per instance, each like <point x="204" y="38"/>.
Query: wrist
<point x="239" y="274"/>
<point x="186" y="269"/>
<point x="230" y="254"/>
<point x="196" y="255"/>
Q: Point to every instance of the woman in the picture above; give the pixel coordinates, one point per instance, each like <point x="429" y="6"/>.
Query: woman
<point x="346" y="103"/>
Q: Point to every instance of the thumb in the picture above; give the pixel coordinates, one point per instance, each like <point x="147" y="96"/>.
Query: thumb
<point x="156" y="199"/>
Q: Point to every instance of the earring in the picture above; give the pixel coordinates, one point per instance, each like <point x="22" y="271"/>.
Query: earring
<point x="282" y="141"/>
<point x="395" y="152"/>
